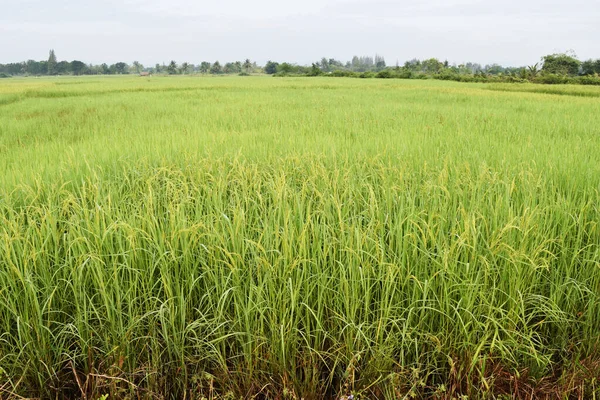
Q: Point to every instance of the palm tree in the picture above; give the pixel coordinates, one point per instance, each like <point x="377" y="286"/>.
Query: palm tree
<point x="185" y="68"/>
<point x="248" y="65"/>
<point x="533" y="70"/>
<point x="172" y="68"/>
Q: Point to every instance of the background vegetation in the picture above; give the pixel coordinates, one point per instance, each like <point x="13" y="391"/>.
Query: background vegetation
<point x="560" y="68"/>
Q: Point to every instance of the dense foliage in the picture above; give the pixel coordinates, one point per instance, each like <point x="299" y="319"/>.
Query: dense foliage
<point x="555" y="69"/>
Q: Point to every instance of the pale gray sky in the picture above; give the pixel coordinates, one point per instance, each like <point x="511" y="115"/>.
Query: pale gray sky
<point x="509" y="32"/>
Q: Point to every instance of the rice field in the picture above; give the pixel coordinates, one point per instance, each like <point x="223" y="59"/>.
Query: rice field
<point x="298" y="238"/>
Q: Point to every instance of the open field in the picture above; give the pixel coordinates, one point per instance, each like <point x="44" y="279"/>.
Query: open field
<point x="298" y="238"/>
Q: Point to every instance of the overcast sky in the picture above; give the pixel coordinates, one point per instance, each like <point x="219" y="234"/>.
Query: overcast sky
<point x="509" y="32"/>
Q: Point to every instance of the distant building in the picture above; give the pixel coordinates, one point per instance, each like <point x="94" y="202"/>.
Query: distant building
<point x="145" y="73"/>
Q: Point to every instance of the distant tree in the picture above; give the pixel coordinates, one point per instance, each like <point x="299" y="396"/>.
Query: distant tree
<point x="52" y="63"/>
<point x="432" y="66"/>
<point x="78" y="67"/>
<point x="14" y="68"/>
<point x="494" y="69"/>
<point x="533" y="71"/>
<point x="185" y="67"/>
<point x="157" y="68"/>
<point x="33" y="67"/>
<point x="137" y="67"/>
<point x="229" y="68"/>
<point x="248" y="66"/>
<point x="204" y="67"/>
<point x="413" y="65"/>
<point x="335" y="64"/>
<point x="590" y="67"/>
<point x="121" y="68"/>
<point x="95" y="69"/>
<point x="364" y="63"/>
<point x="315" y="70"/>
<point x="473" y="67"/>
<point x="379" y="63"/>
<point x="285" y="68"/>
<point x="271" y="67"/>
<point x="216" y="68"/>
<point x="172" y="68"/>
<point x="62" y="68"/>
<point x="561" y="64"/>
<point x="104" y="69"/>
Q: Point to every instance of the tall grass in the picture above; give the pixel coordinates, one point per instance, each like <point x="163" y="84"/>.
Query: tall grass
<point x="231" y="238"/>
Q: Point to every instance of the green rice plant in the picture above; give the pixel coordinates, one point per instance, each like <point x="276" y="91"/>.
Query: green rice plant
<point x="228" y="237"/>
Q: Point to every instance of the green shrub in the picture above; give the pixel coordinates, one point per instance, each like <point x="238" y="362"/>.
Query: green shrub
<point x="513" y="79"/>
<point x="405" y="74"/>
<point x="343" y="74"/>
<point x="551" y="79"/>
<point x="447" y="76"/>
<point x="588" y="80"/>
<point x="314" y="71"/>
<point x="385" y="74"/>
<point x="367" y="75"/>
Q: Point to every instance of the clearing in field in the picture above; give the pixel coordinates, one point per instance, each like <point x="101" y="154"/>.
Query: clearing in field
<point x="298" y="238"/>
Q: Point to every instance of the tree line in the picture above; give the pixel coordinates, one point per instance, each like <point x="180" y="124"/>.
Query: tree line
<point x="553" y="68"/>
<point x="53" y="67"/>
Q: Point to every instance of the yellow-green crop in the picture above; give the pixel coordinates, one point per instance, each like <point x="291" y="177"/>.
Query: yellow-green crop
<point x="298" y="238"/>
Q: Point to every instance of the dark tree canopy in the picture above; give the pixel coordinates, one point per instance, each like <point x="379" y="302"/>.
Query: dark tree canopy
<point x="51" y="67"/>
<point x="561" y="64"/>
<point x="271" y="67"/>
<point x="78" y="67"/>
<point x="204" y="67"/>
<point x="590" y="67"/>
<point x="216" y="68"/>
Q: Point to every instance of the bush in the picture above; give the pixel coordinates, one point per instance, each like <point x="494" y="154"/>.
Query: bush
<point x="551" y="79"/>
<point x="447" y="76"/>
<point x="314" y="71"/>
<point x="513" y="79"/>
<point x="343" y="74"/>
<point x="405" y="74"/>
<point x="467" y="78"/>
<point x="3" y="75"/>
<point x="244" y="74"/>
<point x="588" y="80"/>
<point x="367" y="75"/>
<point x="285" y="68"/>
<point x="385" y="74"/>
